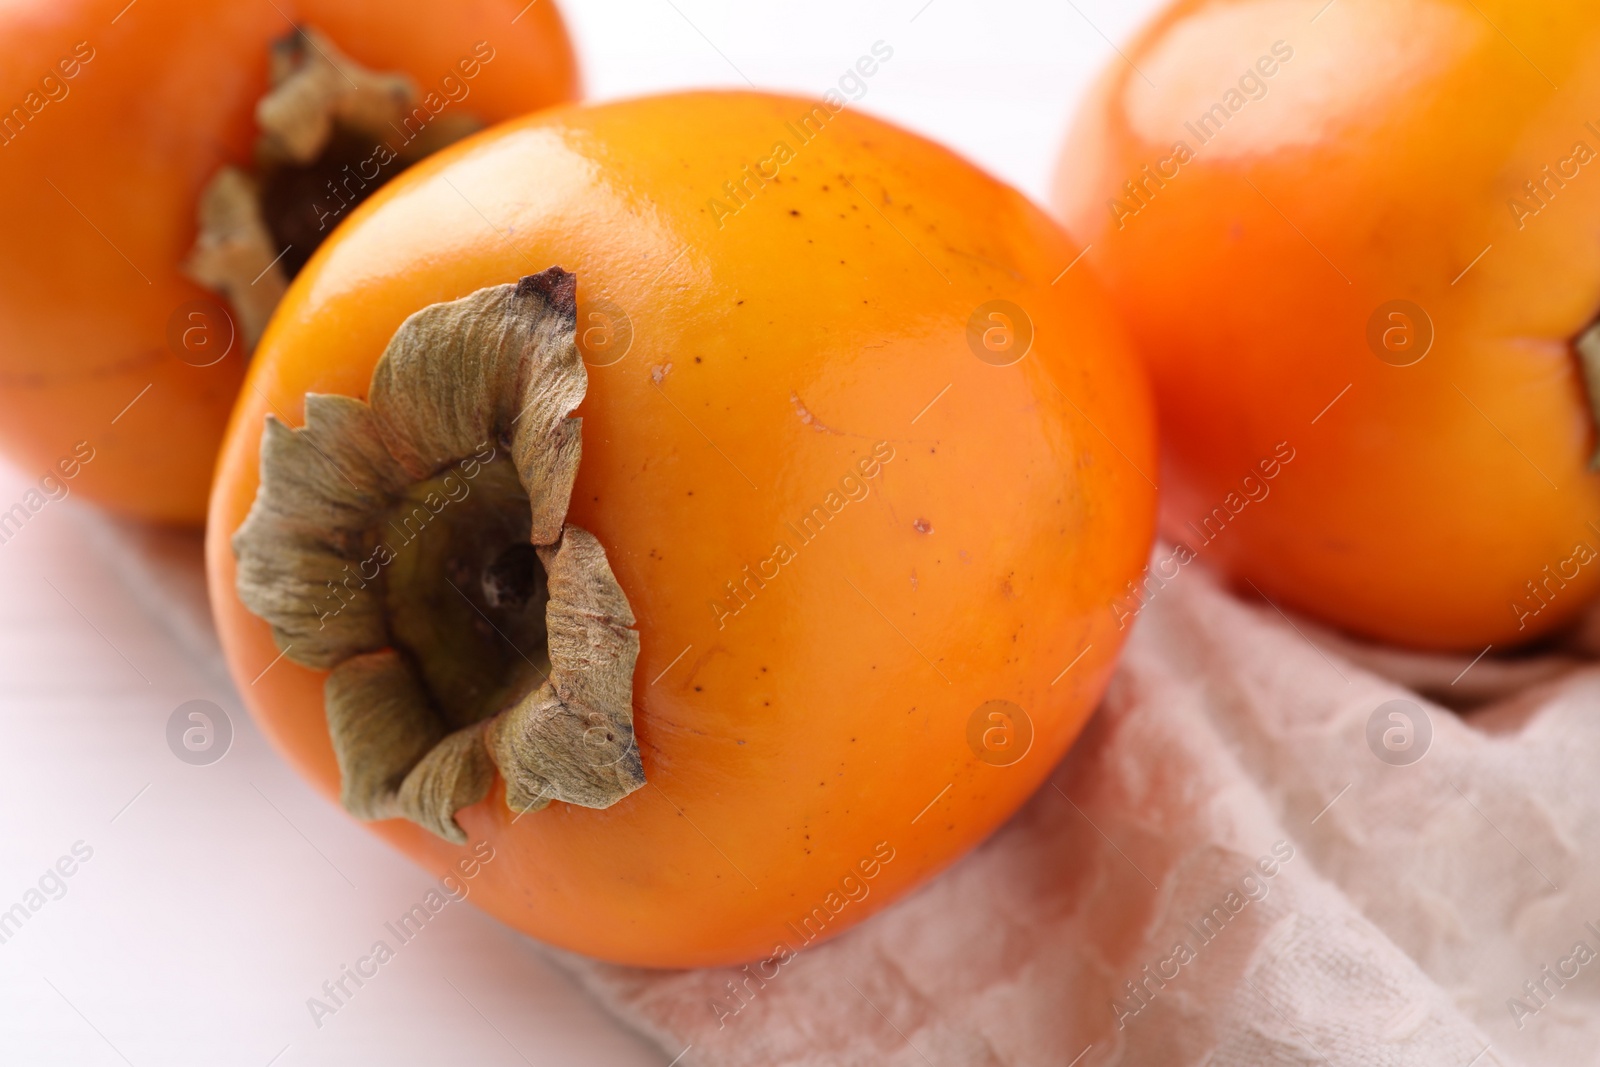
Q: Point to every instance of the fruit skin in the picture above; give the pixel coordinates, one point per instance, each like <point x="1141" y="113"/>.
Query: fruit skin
<point x="167" y="98"/>
<point x="1378" y="166"/>
<point x="806" y="736"/>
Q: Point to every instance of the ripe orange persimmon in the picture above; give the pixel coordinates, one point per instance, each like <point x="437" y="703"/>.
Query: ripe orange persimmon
<point x="115" y="121"/>
<point x="1366" y="241"/>
<point x="868" y="520"/>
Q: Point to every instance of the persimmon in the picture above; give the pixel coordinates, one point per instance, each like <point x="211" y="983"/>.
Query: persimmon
<point x="167" y="167"/>
<point x="1363" y="240"/>
<point x="802" y="600"/>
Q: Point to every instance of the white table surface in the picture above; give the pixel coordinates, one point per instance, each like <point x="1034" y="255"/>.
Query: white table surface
<point x="219" y="898"/>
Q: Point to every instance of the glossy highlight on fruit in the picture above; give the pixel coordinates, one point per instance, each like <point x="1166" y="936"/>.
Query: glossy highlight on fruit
<point x="867" y="479"/>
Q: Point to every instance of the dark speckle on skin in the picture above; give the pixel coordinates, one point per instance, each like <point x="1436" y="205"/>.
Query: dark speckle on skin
<point x="793" y="212"/>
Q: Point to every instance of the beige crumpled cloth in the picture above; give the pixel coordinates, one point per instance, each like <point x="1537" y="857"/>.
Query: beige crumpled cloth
<point x="1407" y="905"/>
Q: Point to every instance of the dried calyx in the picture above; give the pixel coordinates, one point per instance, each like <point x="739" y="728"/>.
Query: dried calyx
<point x="327" y="127"/>
<point x="1587" y="347"/>
<point x="415" y="546"/>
